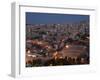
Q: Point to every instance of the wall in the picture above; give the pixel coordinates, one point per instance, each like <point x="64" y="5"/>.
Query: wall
<point x="5" y="41"/>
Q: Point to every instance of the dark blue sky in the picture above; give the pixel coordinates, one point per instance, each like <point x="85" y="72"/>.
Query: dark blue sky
<point x="52" y="18"/>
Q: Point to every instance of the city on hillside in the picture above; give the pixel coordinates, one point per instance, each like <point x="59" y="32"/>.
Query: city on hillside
<point x="57" y="44"/>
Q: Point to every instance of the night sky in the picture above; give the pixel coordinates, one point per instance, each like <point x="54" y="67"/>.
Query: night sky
<point x="52" y="18"/>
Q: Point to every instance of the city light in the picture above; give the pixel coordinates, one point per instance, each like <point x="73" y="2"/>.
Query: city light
<point x="57" y="44"/>
<point x="28" y="51"/>
<point x="67" y="46"/>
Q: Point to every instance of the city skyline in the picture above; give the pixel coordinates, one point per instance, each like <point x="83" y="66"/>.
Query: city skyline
<point x="53" y="18"/>
<point x="56" y="39"/>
